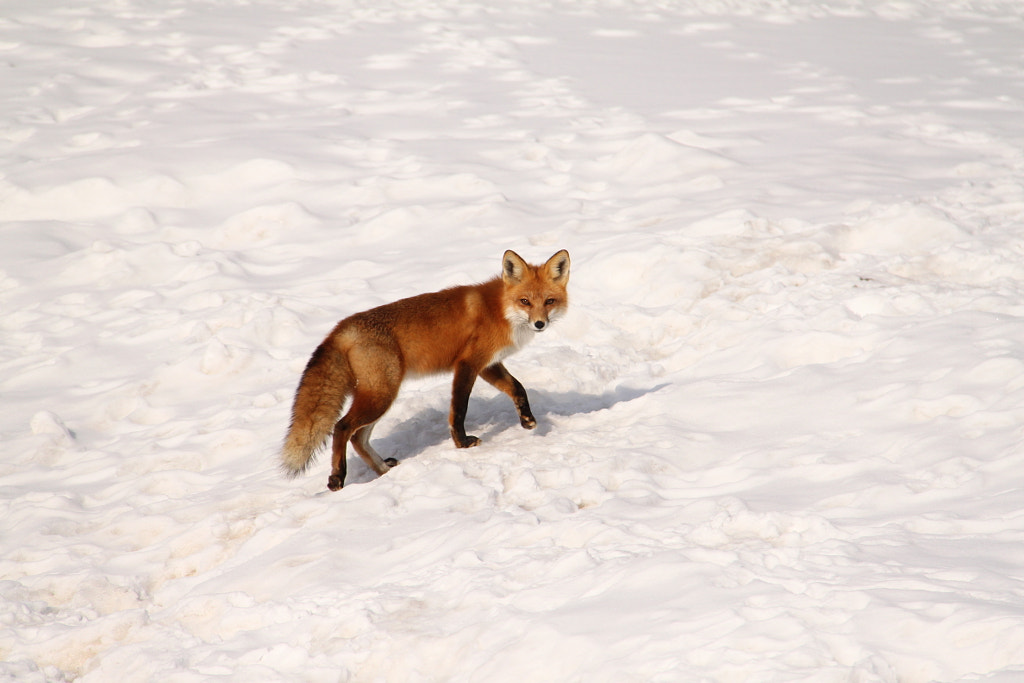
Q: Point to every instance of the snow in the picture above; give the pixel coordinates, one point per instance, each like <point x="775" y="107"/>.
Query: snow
<point x="780" y="430"/>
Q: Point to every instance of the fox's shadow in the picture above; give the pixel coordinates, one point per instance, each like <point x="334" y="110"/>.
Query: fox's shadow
<point x="490" y="414"/>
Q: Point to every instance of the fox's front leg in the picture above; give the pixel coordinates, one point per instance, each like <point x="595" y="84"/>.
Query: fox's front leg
<point x="501" y="379"/>
<point x="462" y="385"/>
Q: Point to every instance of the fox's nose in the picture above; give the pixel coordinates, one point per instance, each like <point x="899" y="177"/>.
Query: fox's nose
<point x="539" y="324"/>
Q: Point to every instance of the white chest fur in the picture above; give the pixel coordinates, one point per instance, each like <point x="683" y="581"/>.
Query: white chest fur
<point x="521" y="336"/>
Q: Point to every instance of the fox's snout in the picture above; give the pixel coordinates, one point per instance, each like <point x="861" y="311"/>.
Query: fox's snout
<point x="539" y="320"/>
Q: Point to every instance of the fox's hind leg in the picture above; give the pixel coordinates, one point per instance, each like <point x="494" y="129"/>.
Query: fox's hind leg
<point x="361" y="442"/>
<point x="356" y="425"/>
<point x="500" y="378"/>
<point x="376" y="386"/>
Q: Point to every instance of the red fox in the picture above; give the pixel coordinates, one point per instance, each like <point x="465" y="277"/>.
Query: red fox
<point x="467" y="330"/>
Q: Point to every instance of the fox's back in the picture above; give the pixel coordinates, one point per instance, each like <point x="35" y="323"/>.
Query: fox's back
<point x="432" y="331"/>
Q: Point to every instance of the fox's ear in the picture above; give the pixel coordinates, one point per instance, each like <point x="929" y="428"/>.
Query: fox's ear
<point x="557" y="267"/>
<point x="512" y="267"/>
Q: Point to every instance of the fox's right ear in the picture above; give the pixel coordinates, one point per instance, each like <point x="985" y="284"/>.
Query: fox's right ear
<point x="512" y="268"/>
<point x="557" y="267"/>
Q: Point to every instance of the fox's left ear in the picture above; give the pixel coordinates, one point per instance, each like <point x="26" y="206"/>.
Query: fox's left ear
<point x="557" y="267"/>
<point x="512" y="267"/>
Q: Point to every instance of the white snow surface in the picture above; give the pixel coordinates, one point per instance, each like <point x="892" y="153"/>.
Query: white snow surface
<point x="781" y="429"/>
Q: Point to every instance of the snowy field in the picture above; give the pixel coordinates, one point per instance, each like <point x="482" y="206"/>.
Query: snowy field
<point x="781" y="430"/>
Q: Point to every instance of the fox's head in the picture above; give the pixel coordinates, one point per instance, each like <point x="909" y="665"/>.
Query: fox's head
<point x="535" y="295"/>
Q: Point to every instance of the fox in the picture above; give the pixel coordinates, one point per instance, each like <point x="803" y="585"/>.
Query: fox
<point x="467" y="330"/>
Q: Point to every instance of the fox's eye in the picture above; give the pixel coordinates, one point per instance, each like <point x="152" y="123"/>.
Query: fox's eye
<point x="549" y="302"/>
<point x="524" y="301"/>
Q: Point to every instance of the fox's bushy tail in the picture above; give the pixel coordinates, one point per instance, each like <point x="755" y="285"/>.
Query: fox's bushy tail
<point x="326" y="383"/>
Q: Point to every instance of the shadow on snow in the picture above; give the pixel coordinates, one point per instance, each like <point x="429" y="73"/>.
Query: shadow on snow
<point x="488" y="416"/>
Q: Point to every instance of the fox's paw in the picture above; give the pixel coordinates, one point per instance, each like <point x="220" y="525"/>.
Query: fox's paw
<point x="334" y="482"/>
<point x="467" y="442"/>
<point x="390" y="462"/>
<point x="527" y="421"/>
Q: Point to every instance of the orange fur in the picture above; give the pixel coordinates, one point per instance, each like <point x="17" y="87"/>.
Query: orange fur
<point x="467" y="330"/>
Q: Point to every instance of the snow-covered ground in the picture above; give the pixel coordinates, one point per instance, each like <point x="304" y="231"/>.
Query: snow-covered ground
<point x="781" y="431"/>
